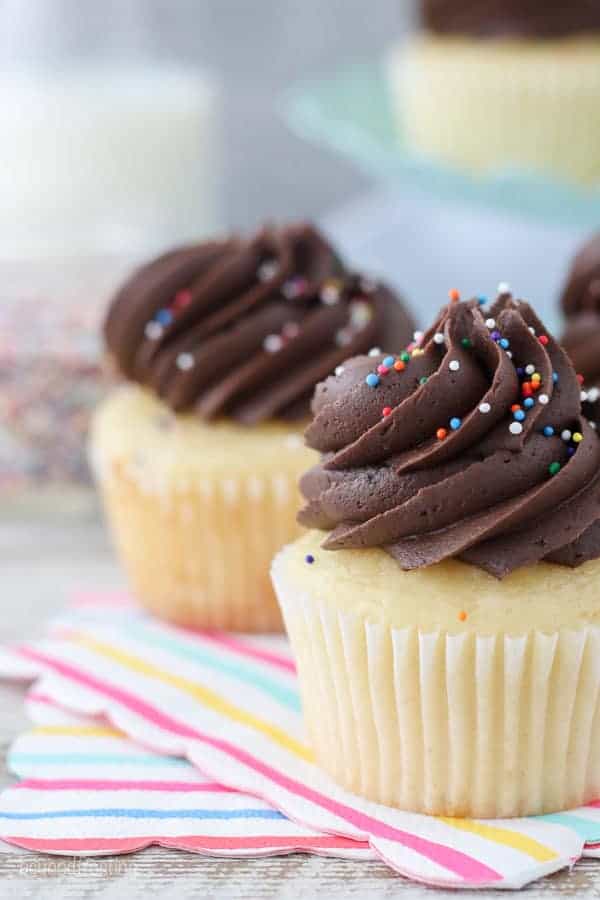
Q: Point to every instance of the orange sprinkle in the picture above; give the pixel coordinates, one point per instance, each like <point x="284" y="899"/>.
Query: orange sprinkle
<point x="454" y="295"/>
<point x="399" y="365"/>
<point x="515" y="407"/>
<point x="441" y="433"/>
<point x="462" y="615"/>
<point x="536" y="385"/>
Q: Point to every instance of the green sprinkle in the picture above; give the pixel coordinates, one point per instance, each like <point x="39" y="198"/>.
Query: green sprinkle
<point x="423" y="380"/>
<point x="554" y="468"/>
<point x="466" y="342"/>
<point x="404" y="356"/>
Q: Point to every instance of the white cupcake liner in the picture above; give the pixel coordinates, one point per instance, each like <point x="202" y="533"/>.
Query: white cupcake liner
<point x="501" y="104"/>
<point x="448" y="724"/>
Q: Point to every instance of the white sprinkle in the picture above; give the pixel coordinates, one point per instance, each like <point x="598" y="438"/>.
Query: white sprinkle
<point x="491" y="323"/>
<point x="509" y="354"/>
<point x="273" y="343"/>
<point x="438" y="338"/>
<point x="343" y="337"/>
<point x="592" y="424"/>
<point x="418" y="336"/>
<point x="593" y="394"/>
<point x="454" y="365"/>
<point x="153" y="331"/>
<point x="267" y="270"/>
<point x="360" y="313"/>
<point x="339" y="370"/>
<point x="375" y="351"/>
<point x="543" y="399"/>
<point x="484" y="408"/>
<point x="504" y="287"/>
<point x="330" y="293"/>
<point x="583" y="396"/>
<point x="531" y="329"/>
<point x="184" y="361"/>
<point x="515" y="428"/>
<point x="566" y="435"/>
<point x="529" y="370"/>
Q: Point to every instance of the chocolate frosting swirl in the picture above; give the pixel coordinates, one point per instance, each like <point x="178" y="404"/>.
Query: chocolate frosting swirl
<point x="580" y="303"/>
<point x="247" y="327"/>
<point x="472" y="446"/>
<point x="511" y="18"/>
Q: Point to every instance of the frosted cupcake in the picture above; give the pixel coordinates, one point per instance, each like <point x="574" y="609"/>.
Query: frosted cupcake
<point x="198" y="453"/>
<point x="443" y="608"/>
<point x="580" y="304"/>
<point x="504" y="84"/>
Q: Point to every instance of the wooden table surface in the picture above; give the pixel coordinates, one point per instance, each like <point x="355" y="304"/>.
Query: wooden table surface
<point x="39" y="568"/>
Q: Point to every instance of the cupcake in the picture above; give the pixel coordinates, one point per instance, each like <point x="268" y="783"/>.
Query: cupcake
<point x="443" y="605"/>
<point x="580" y="302"/>
<point x="198" y="451"/>
<point x="503" y="84"/>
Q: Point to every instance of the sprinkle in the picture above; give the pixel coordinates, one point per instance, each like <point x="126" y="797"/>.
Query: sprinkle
<point x="577" y="437"/>
<point x="467" y="343"/>
<point x="580" y="379"/>
<point x="526" y="388"/>
<point x="273" y="343"/>
<point x="548" y="430"/>
<point x="504" y="287"/>
<point x="491" y="323"/>
<point x="520" y="371"/>
<point x="462" y="616"/>
<point x="389" y="361"/>
<point x="536" y="376"/>
<point x="528" y="402"/>
<point x="504" y="343"/>
<point x="295" y="287"/>
<point x="386" y="411"/>
<point x="382" y="370"/>
<point x="423" y="379"/>
<point x="417" y="352"/>
<point x="360" y="313"/>
<point x="339" y="370"/>
<point x="438" y="338"/>
<point x="418" y="337"/>
<point x="593" y="394"/>
<point x="484" y="408"/>
<point x="535" y="385"/>
<point x="455" y="423"/>
<point x="592" y="424"/>
<point x="454" y="365"/>
<point x="554" y="468"/>
<point x="543" y="399"/>
<point x="495" y="335"/>
<point x="519" y="415"/>
<point x="399" y="366"/>
<point x="163" y="317"/>
<point x="515" y="407"/>
<point x="404" y="356"/>
<point x="566" y="435"/>
<point x="372" y="380"/>
<point x="515" y="428"/>
<point x="374" y="351"/>
<point x="530" y="369"/>
<point x="309" y="558"/>
<point x="182" y="299"/>
<point x="331" y="292"/>
<point x="531" y="329"/>
<point x="454" y="295"/>
<point x="570" y="451"/>
<point x="583" y="396"/>
<point x="184" y="361"/>
<point x="267" y="270"/>
<point x="343" y="337"/>
<point x="482" y="300"/>
<point x="543" y="339"/>
<point x="153" y="331"/>
<point x="509" y="354"/>
<point x="441" y="433"/>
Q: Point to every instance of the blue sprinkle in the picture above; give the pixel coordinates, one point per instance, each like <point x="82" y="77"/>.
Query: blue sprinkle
<point x="548" y="430"/>
<point x="389" y="361"/>
<point x="372" y="379"/>
<point x="528" y="402"/>
<point x="455" y="423"/>
<point x="482" y="300"/>
<point x="309" y="558"/>
<point x="164" y="317"/>
<point x="520" y="371"/>
<point x="555" y="377"/>
<point x="519" y="415"/>
<point x="504" y="343"/>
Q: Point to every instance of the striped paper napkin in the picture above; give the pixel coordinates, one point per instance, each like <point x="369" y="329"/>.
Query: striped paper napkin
<point x="229" y="704"/>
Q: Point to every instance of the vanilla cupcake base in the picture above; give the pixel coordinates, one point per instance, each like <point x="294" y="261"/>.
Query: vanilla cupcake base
<point x="444" y="691"/>
<point x="197" y="510"/>
<point x="501" y="104"/>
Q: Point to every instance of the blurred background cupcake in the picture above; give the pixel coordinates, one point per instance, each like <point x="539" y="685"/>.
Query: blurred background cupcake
<point x="504" y="84"/>
<point x="199" y="454"/>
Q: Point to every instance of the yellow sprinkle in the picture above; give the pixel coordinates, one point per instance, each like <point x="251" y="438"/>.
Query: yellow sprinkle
<point x="577" y="437"/>
<point x="417" y="352"/>
<point x="536" y="376"/>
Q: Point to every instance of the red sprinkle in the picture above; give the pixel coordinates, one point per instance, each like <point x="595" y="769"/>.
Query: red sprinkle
<point x="526" y="388"/>
<point x="382" y="370"/>
<point x="387" y="410"/>
<point x="580" y="379"/>
<point x="543" y="339"/>
<point x="182" y="299"/>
